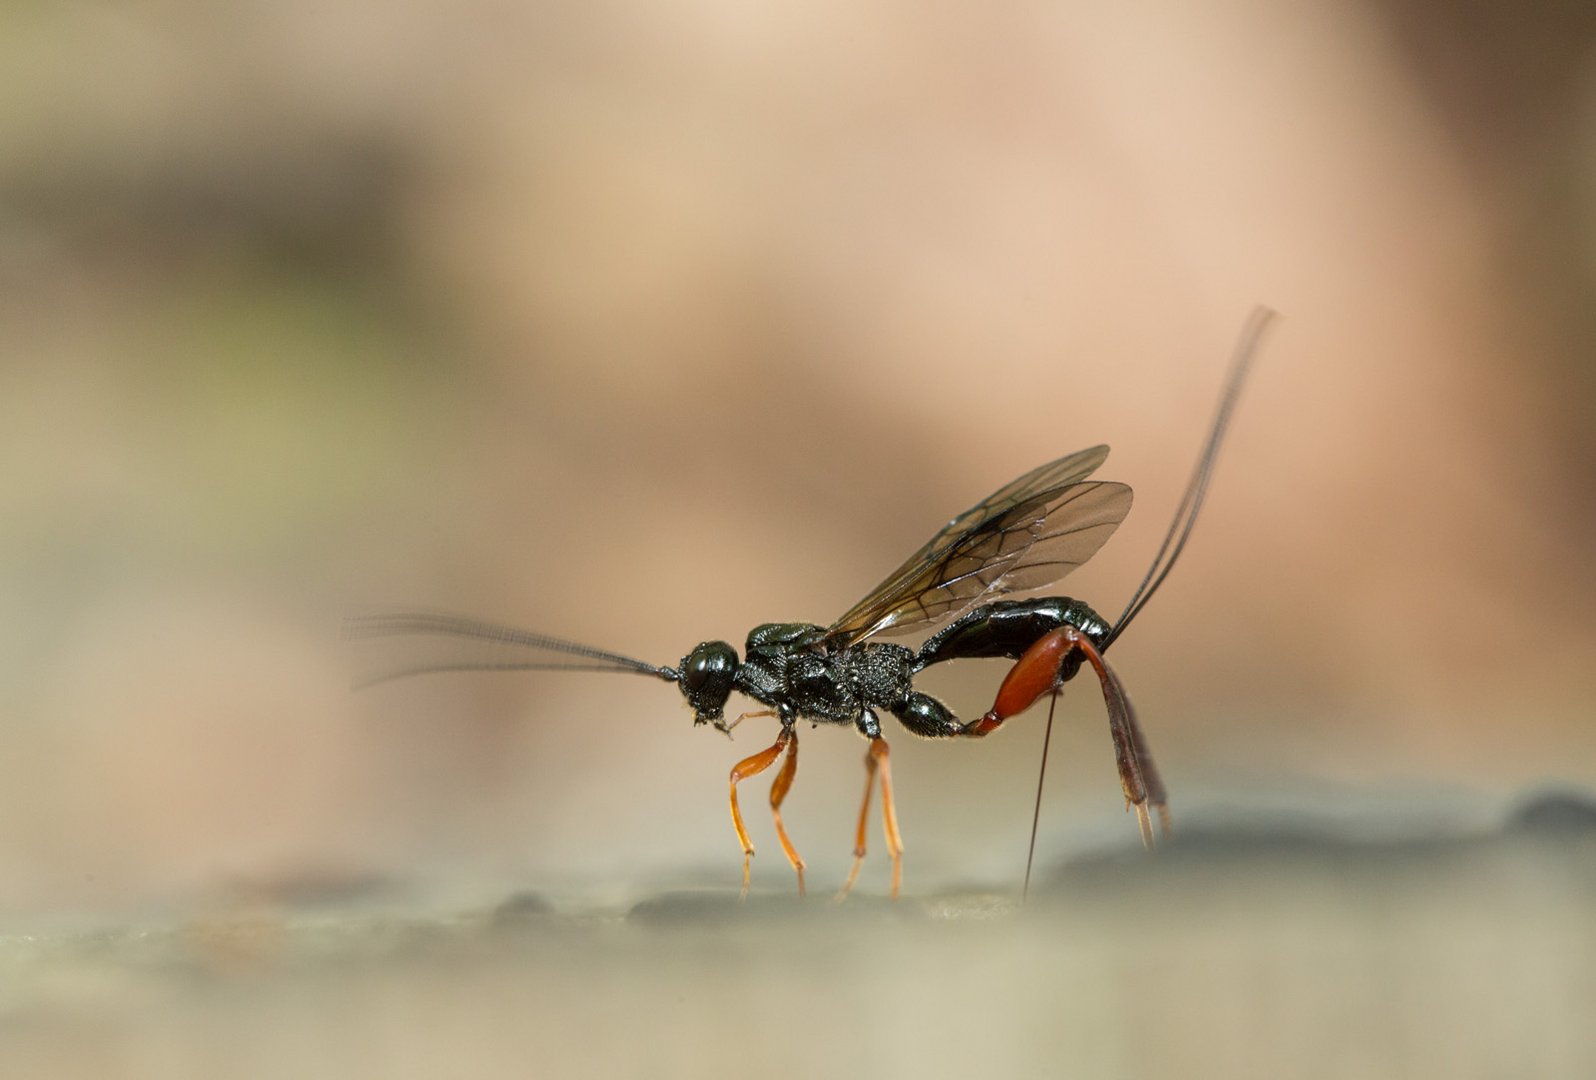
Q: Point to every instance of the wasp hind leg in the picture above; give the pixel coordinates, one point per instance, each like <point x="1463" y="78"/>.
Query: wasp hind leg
<point x="1036" y="674"/>
<point x="753" y="765"/>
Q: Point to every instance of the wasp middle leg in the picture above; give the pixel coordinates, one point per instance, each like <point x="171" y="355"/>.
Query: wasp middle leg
<point x="877" y="762"/>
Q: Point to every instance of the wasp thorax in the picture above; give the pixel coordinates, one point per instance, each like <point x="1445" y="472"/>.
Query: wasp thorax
<point x="707" y="674"/>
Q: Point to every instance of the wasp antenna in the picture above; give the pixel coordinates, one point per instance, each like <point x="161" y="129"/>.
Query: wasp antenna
<point x="1197" y="487"/>
<point x="446" y="642"/>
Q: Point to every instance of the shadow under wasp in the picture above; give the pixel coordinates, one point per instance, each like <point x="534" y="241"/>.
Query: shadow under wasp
<point x="1024" y="536"/>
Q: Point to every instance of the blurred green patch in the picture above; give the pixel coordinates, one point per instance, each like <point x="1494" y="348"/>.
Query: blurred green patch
<point x="278" y="406"/>
<point x="217" y="417"/>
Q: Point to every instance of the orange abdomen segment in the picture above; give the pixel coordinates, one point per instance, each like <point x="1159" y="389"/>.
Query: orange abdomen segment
<point x="1034" y="674"/>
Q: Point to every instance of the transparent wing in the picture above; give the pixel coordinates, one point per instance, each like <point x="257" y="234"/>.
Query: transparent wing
<point x="434" y="641"/>
<point x="1027" y="534"/>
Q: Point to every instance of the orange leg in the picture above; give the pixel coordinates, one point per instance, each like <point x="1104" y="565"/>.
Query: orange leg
<point x="753" y="765"/>
<point x="727" y="726"/>
<point x="778" y="792"/>
<point x="877" y="761"/>
<point x="864" y="820"/>
<point x="889" y="814"/>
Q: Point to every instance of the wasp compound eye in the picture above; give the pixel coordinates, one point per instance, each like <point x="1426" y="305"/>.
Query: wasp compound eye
<point x="707" y="674"/>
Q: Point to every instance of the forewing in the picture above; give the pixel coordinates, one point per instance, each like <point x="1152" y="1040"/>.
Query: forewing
<point x="1079" y="523"/>
<point x="1028" y="533"/>
<point x="1067" y="470"/>
<point x="420" y="642"/>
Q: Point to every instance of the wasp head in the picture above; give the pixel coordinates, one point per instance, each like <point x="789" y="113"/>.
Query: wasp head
<point x="707" y="674"/>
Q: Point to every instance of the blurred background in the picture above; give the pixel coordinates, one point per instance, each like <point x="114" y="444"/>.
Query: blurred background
<point x="641" y="325"/>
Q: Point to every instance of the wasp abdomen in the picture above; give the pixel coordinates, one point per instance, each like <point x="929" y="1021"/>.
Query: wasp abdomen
<point x="1006" y="628"/>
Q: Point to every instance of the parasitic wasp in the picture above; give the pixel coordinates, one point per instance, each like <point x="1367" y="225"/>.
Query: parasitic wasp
<point x="1024" y="536"/>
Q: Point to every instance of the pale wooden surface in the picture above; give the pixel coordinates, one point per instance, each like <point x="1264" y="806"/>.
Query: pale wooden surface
<point x="1229" y="955"/>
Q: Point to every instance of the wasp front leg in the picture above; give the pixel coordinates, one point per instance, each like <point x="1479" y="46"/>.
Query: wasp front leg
<point x="753" y="765"/>
<point x="1040" y="671"/>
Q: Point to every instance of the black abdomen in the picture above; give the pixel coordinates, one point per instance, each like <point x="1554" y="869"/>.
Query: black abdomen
<point x="1008" y="628"/>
